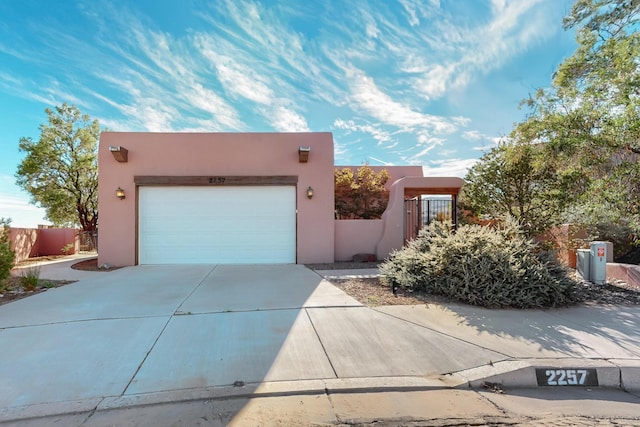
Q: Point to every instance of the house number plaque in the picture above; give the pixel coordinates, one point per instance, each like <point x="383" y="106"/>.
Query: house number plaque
<point x="217" y="180"/>
<point x="567" y="377"/>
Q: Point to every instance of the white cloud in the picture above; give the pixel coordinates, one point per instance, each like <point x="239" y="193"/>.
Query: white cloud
<point x="372" y="31"/>
<point x="458" y="53"/>
<point x="476" y="136"/>
<point x="382" y="162"/>
<point x="377" y="74"/>
<point x="415" y="159"/>
<point x="498" y="5"/>
<point x="410" y="8"/>
<point x="413" y="8"/>
<point x="209" y="101"/>
<point x="243" y="84"/>
<point x="237" y="78"/>
<point x="286" y="120"/>
<point x="472" y="135"/>
<point x="367" y="96"/>
<point x="268" y="34"/>
<point x="378" y="134"/>
<point x="451" y="167"/>
<point x="433" y="83"/>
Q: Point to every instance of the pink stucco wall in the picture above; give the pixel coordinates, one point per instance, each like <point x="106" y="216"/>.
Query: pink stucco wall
<point x="383" y="236"/>
<point x="626" y="272"/>
<point x="216" y="154"/>
<point x="357" y="236"/>
<point x="52" y="240"/>
<point x="24" y="242"/>
<point x="32" y="242"/>
<point x="393" y="232"/>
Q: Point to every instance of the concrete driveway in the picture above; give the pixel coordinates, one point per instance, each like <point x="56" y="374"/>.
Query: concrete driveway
<point x="168" y="333"/>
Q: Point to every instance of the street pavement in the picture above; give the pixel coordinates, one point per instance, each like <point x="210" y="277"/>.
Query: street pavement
<point x="280" y="345"/>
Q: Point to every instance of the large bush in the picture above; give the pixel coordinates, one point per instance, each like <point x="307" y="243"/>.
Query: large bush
<point x="490" y="267"/>
<point x="7" y="256"/>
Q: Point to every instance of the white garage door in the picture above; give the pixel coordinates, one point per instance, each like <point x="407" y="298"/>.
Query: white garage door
<point x="219" y="225"/>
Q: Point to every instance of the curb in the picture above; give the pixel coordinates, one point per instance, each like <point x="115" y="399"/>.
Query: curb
<point x="622" y="374"/>
<point x="251" y="390"/>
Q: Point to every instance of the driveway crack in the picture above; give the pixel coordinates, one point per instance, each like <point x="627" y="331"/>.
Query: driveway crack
<point x="324" y="349"/>
<point x="177" y="310"/>
<point x="163" y="329"/>
<point x="441" y="333"/>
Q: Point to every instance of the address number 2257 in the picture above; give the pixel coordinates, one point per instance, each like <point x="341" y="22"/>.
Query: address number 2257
<point x="567" y="377"/>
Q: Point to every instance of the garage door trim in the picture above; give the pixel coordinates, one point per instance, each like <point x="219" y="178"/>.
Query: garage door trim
<point x="215" y="180"/>
<point x="210" y="181"/>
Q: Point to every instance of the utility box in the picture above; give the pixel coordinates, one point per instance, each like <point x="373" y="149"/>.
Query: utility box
<point x="598" y="263"/>
<point x="583" y="258"/>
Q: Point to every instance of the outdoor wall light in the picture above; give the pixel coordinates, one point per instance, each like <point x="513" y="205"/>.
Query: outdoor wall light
<point x="120" y="193"/>
<point x="119" y="153"/>
<point x="310" y="192"/>
<point x="303" y="154"/>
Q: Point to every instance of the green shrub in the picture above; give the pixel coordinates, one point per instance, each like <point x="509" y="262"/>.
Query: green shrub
<point x="490" y="267"/>
<point x="67" y="249"/>
<point x="29" y="278"/>
<point x="7" y="256"/>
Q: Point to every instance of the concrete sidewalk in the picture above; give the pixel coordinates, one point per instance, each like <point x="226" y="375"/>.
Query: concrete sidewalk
<point x="60" y="269"/>
<point x="152" y="335"/>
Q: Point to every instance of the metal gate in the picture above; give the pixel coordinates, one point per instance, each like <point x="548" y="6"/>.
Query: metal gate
<point x="421" y="211"/>
<point x="88" y="241"/>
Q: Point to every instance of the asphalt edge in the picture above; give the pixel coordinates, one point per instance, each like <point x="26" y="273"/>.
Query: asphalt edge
<point x="239" y="391"/>
<point x="622" y="374"/>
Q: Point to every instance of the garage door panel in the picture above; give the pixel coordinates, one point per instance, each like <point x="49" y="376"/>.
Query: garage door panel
<point x="216" y="225"/>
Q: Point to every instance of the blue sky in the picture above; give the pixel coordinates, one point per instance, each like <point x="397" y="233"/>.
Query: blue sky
<point x="422" y="82"/>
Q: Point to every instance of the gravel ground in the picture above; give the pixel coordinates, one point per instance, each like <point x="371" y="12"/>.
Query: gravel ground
<point x="373" y="292"/>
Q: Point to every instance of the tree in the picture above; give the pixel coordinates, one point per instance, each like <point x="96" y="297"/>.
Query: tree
<point x="360" y="195"/>
<point x="589" y="120"/>
<point x="60" y="170"/>
<point x="514" y="180"/>
<point x="7" y="256"/>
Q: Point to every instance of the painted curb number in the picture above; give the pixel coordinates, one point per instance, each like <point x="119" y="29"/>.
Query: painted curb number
<point x="566" y="377"/>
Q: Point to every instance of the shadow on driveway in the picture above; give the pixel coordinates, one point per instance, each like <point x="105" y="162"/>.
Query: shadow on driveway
<point x="156" y="328"/>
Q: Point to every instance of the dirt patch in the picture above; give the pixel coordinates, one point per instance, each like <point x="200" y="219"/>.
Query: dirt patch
<point x="374" y="292"/>
<point x="13" y="289"/>
<point x="92" y="265"/>
<point x="34" y="260"/>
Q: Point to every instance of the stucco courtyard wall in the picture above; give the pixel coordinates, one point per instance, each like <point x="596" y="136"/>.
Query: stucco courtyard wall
<point x="626" y="272"/>
<point x="356" y="236"/>
<point x="24" y="242"/>
<point x="53" y="240"/>
<point x="393" y="218"/>
<point x="381" y="237"/>
<point x="216" y="154"/>
<point x="32" y="242"/>
<point x="361" y="236"/>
